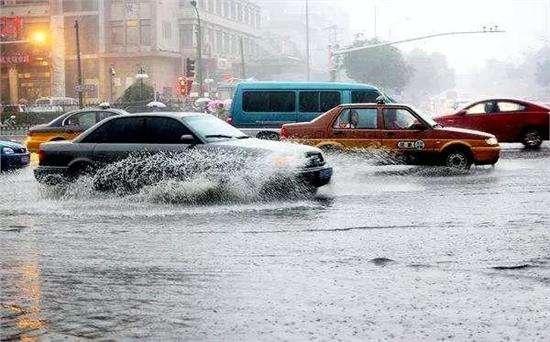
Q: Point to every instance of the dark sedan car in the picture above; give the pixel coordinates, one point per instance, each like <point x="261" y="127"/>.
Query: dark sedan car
<point x="68" y="126"/>
<point x="13" y="155"/>
<point x="120" y="137"/>
<point x="509" y="120"/>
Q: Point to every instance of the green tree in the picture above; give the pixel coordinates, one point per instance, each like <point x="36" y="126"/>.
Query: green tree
<point x="430" y="73"/>
<point x="382" y="66"/>
<point x="138" y="92"/>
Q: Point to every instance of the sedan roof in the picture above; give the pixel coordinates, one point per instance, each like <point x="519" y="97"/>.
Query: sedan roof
<point x="177" y="115"/>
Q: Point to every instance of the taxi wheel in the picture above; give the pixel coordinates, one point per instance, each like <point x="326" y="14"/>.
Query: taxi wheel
<point x="458" y="159"/>
<point x="532" y="138"/>
<point x="268" y="136"/>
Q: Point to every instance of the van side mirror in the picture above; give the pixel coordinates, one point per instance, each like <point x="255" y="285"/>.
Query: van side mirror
<point x="187" y="139"/>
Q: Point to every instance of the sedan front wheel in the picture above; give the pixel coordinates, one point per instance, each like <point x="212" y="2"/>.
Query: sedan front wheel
<point x="458" y="160"/>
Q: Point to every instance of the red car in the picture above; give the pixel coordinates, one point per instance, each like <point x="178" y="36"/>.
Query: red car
<point x="509" y="120"/>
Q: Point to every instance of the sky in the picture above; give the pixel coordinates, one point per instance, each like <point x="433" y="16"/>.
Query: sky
<point x="525" y="23"/>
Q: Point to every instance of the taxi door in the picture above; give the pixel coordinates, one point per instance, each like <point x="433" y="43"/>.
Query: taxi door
<point x="357" y="128"/>
<point x="404" y="133"/>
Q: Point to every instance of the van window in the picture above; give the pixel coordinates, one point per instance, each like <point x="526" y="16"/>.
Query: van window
<point x="364" y="96"/>
<point x="318" y="101"/>
<point x="269" y="101"/>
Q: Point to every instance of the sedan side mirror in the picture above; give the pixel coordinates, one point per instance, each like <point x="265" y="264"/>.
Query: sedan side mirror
<point x="461" y="112"/>
<point x="187" y="139"/>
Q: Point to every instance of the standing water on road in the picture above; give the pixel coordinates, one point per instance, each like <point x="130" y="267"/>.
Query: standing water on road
<point x="385" y="251"/>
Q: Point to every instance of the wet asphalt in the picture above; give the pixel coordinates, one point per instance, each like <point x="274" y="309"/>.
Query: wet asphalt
<point x="386" y="252"/>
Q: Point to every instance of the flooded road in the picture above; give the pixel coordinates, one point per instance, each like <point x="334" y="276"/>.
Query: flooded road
<point x="384" y="252"/>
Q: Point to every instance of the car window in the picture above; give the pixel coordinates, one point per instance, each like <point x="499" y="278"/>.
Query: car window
<point x="84" y="120"/>
<point x="104" y="115"/>
<point x="343" y="120"/>
<point x="507" y="106"/>
<point x="399" y="119"/>
<point x="165" y="131"/>
<point x="364" y="96"/>
<point x="129" y="130"/>
<point x="484" y="108"/>
<point x="269" y="101"/>
<point x="318" y="101"/>
<point x="365" y="118"/>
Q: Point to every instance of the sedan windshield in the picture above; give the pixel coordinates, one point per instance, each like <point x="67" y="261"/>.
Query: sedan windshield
<point x="427" y="118"/>
<point x="212" y="128"/>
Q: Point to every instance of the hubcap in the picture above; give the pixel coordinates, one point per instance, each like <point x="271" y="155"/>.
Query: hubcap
<point x="532" y="138"/>
<point x="457" y="161"/>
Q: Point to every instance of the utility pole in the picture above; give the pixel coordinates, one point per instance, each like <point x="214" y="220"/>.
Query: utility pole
<point x="308" y="70"/>
<point x="243" y="70"/>
<point x="199" y="47"/>
<point x="79" y="65"/>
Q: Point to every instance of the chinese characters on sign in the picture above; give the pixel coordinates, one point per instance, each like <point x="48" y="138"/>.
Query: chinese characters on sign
<point x="15" y="59"/>
<point x="10" y="27"/>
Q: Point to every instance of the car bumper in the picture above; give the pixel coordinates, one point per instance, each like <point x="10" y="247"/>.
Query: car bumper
<point x="316" y="176"/>
<point x="486" y="155"/>
<point x="14" y="161"/>
<point x="44" y="173"/>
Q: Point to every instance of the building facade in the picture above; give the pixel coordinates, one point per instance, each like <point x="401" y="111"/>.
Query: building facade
<point x="118" y="38"/>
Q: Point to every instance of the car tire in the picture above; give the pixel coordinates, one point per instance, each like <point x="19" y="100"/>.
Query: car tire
<point x="458" y="159"/>
<point x="330" y="148"/>
<point x="268" y="136"/>
<point x="80" y="169"/>
<point x="532" y="138"/>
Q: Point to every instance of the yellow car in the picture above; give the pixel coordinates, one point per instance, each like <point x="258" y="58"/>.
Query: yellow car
<point x="68" y="126"/>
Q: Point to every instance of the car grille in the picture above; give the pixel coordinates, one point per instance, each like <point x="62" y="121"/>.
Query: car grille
<point x="314" y="159"/>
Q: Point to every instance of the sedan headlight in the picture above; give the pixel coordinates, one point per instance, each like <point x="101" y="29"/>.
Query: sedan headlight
<point x="491" y="141"/>
<point x="7" y="150"/>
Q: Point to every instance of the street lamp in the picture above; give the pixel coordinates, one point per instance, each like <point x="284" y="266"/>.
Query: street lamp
<point x="199" y="46"/>
<point x="141" y="75"/>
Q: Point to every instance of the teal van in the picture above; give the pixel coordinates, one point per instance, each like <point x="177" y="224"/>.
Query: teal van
<point x="261" y="108"/>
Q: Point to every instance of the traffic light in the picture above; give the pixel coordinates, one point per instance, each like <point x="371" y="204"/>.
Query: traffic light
<point x="190" y="67"/>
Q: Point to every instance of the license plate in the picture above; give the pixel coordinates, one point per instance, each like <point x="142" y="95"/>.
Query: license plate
<point x="326" y="173"/>
<point x="24" y="160"/>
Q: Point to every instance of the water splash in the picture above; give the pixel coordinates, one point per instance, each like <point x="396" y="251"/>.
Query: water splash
<point x="194" y="176"/>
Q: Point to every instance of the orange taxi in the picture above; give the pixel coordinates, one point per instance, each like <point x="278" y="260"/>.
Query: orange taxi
<point x="68" y="126"/>
<point x="398" y="129"/>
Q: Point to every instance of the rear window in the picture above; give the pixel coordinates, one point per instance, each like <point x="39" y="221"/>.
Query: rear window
<point x="269" y="101"/>
<point x="364" y="96"/>
<point x="318" y="101"/>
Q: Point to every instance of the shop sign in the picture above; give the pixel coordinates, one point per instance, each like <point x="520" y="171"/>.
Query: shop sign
<point x="10" y="26"/>
<point x="20" y="58"/>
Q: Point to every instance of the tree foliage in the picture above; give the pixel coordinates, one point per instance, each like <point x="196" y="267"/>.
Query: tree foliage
<point x="138" y="92"/>
<point x="542" y="72"/>
<point x="383" y="66"/>
<point x="430" y="73"/>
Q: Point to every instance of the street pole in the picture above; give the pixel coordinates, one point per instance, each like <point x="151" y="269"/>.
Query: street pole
<point x="308" y="71"/>
<point x="199" y="64"/>
<point x="366" y="47"/>
<point x="79" y="64"/>
<point x="243" y="71"/>
<point x="111" y="89"/>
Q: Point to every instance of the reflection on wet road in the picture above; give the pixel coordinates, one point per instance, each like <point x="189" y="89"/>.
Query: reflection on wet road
<point x="384" y="252"/>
